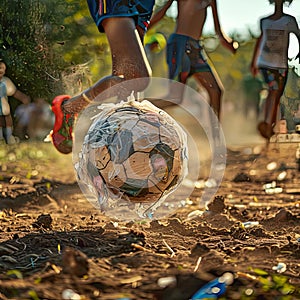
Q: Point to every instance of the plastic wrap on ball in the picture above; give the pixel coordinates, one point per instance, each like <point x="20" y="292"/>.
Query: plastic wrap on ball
<point x="133" y="153"/>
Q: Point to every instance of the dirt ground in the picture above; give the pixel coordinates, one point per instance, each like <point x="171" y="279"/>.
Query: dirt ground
<point x="55" y="245"/>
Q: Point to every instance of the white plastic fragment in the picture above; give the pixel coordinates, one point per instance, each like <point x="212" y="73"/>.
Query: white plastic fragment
<point x="250" y="224"/>
<point x="69" y="294"/>
<point x="282" y="175"/>
<point x="166" y="281"/>
<point x="280" y="268"/>
<point x="271" y="166"/>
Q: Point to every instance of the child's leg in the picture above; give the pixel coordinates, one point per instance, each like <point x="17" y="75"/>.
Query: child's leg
<point x="8" y="130"/>
<point x="271" y="107"/>
<point x="214" y="88"/>
<point x="276" y="81"/>
<point x="128" y="62"/>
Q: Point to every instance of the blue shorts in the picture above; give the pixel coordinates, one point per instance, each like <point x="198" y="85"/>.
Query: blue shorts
<point x="139" y="10"/>
<point x="184" y="57"/>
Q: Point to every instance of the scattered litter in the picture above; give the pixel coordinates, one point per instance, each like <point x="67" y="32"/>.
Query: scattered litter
<point x="271" y="188"/>
<point x="280" y="268"/>
<point x="249" y="224"/>
<point x="271" y="166"/>
<point x="214" y="288"/>
<point x="211" y="183"/>
<point x="198" y="264"/>
<point x="32" y="262"/>
<point x="69" y="294"/>
<point x="276" y="190"/>
<point x="194" y="214"/>
<point x="200" y="184"/>
<point x="167" y="281"/>
<point x="249" y="292"/>
<point x="169" y="248"/>
<point x="269" y="185"/>
<point x="281" y="176"/>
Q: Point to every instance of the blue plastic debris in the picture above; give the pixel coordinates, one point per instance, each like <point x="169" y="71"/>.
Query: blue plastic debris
<point x="214" y="288"/>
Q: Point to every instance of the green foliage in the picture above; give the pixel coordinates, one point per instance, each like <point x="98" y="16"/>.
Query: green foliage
<point x="275" y="282"/>
<point x="41" y="41"/>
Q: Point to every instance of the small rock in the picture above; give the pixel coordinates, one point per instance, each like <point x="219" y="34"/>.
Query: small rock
<point x="75" y="262"/>
<point x="217" y="205"/>
<point x="242" y="177"/>
<point x="43" y="221"/>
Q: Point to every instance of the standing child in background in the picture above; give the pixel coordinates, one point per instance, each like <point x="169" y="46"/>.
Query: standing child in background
<point x="8" y="88"/>
<point x="271" y="58"/>
<point x="185" y="55"/>
<point x="124" y="23"/>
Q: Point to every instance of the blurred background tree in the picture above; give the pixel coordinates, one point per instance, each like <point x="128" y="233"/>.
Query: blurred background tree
<point x="48" y="46"/>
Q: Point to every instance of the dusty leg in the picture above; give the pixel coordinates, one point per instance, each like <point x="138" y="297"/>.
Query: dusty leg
<point x="214" y="88"/>
<point x="128" y="62"/>
<point x="276" y="82"/>
<point x="8" y="130"/>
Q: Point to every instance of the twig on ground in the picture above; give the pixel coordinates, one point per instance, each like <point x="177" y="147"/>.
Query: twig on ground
<point x="169" y="248"/>
<point x="197" y="264"/>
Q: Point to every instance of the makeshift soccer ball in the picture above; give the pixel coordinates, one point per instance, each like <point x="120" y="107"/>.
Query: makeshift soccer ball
<point x="132" y="152"/>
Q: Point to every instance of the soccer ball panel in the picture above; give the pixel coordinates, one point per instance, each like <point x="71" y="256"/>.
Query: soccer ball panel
<point x="114" y="174"/>
<point x="151" y="118"/>
<point x="169" y="136"/>
<point x="102" y="157"/>
<point x="177" y="163"/>
<point x="137" y="166"/>
<point x="145" y="136"/>
<point x="120" y="146"/>
<point x="159" y="167"/>
<point x="145" y="143"/>
<point x="144" y="128"/>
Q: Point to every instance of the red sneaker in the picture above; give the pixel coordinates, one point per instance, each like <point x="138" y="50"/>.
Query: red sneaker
<point x="61" y="134"/>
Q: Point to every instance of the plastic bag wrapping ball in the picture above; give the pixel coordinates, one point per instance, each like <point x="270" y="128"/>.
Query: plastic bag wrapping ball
<point x="132" y="157"/>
